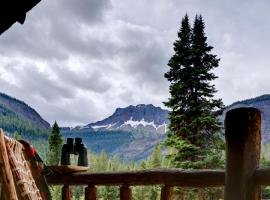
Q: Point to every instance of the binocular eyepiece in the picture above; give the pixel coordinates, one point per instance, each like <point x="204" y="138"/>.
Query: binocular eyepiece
<point x="77" y="148"/>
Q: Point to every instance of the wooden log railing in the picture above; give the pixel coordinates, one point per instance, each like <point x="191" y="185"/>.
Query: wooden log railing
<point x="242" y="176"/>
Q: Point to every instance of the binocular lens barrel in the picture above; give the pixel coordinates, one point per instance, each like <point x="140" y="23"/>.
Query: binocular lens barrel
<point x="70" y="140"/>
<point x="77" y="148"/>
<point x="78" y="140"/>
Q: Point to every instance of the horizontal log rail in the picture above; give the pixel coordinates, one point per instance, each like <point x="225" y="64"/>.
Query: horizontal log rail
<point x="173" y="177"/>
<point x="169" y="177"/>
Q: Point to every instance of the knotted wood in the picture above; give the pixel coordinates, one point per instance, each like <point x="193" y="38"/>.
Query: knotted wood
<point x="243" y="139"/>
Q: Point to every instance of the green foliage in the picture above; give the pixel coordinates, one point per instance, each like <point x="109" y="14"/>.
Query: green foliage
<point x="155" y="157"/>
<point x="55" y="144"/>
<point x="16" y="135"/>
<point x="55" y="192"/>
<point x="265" y="162"/>
<point x="193" y="122"/>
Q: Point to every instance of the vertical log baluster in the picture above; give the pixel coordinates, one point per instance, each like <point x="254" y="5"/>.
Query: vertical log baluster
<point x="91" y="192"/>
<point x="166" y="193"/>
<point x="243" y="139"/>
<point x="125" y="193"/>
<point x="66" y="193"/>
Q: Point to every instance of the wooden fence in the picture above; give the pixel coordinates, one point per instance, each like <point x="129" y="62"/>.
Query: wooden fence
<point x="242" y="176"/>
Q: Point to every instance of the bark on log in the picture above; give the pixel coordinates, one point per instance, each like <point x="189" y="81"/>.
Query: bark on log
<point x="125" y="193"/>
<point x="166" y="193"/>
<point x="66" y="193"/>
<point x="175" y="177"/>
<point x="91" y="193"/>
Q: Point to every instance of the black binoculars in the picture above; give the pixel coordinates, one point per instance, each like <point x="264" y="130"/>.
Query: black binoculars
<point x="78" y="149"/>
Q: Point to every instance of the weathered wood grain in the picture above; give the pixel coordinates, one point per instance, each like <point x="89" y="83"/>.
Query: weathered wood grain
<point x="243" y="139"/>
<point x="125" y="193"/>
<point x="5" y="171"/>
<point x="166" y="193"/>
<point x="66" y="193"/>
<point x="175" y="177"/>
<point x="90" y="193"/>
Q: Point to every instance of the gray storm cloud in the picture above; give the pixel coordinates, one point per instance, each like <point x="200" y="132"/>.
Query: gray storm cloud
<point x="76" y="61"/>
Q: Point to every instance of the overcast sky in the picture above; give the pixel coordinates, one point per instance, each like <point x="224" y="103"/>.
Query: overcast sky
<point x="75" y="61"/>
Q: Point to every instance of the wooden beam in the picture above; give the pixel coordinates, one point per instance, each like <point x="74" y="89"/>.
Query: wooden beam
<point x="262" y="176"/>
<point x="243" y="139"/>
<point x="176" y="177"/>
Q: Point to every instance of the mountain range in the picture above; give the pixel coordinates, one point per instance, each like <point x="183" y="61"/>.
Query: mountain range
<point x="130" y="132"/>
<point x="146" y="126"/>
<point x="141" y="117"/>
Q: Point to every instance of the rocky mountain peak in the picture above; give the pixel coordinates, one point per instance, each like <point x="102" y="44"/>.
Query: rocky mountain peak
<point x="141" y="116"/>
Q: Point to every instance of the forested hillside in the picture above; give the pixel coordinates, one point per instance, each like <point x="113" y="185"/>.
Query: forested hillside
<point x="23" y="111"/>
<point x="17" y="116"/>
<point x="263" y="104"/>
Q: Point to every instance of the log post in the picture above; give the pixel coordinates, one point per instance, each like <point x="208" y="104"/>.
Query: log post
<point x="66" y="193"/>
<point x="243" y="139"/>
<point x="91" y="192"/>
<point x="125" y="193"/>
<point x="166" y="193"/>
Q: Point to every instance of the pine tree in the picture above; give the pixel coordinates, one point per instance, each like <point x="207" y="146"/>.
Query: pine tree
<point x="55" y="145"/>
<point x="193" y="122"/>
<point x="155" y="157"/>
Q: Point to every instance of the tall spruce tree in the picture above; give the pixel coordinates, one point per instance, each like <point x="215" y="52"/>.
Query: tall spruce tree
<point x="55" y="144"/>
<point x="193" y="122"/>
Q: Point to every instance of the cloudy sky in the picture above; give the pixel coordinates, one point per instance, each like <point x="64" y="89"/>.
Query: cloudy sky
<point x="75" y="61"/>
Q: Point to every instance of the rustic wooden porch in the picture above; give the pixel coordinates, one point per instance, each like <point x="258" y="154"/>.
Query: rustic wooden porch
<point x="242" y="177"/>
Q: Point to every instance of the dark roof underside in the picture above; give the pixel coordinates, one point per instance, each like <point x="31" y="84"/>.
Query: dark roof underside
<point x="12" y="11"/>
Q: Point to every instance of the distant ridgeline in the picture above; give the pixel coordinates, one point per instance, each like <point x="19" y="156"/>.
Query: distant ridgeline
<point x="263" y="104"/>
<point x="16" y="115"/>
<point x="129" y="133"/>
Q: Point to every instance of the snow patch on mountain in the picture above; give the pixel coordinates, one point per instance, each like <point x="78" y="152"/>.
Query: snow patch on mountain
<point x="142" y="117"/>
<point x="142" y="122"/>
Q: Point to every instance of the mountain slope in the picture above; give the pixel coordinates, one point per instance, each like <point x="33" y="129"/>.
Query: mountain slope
<point x="23" y="110"/>
<point x="16" y="115"/>
<point x="263" y="104"/>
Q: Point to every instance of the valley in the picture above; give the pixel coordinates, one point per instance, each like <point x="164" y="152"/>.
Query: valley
<point x="129" y="133"/>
